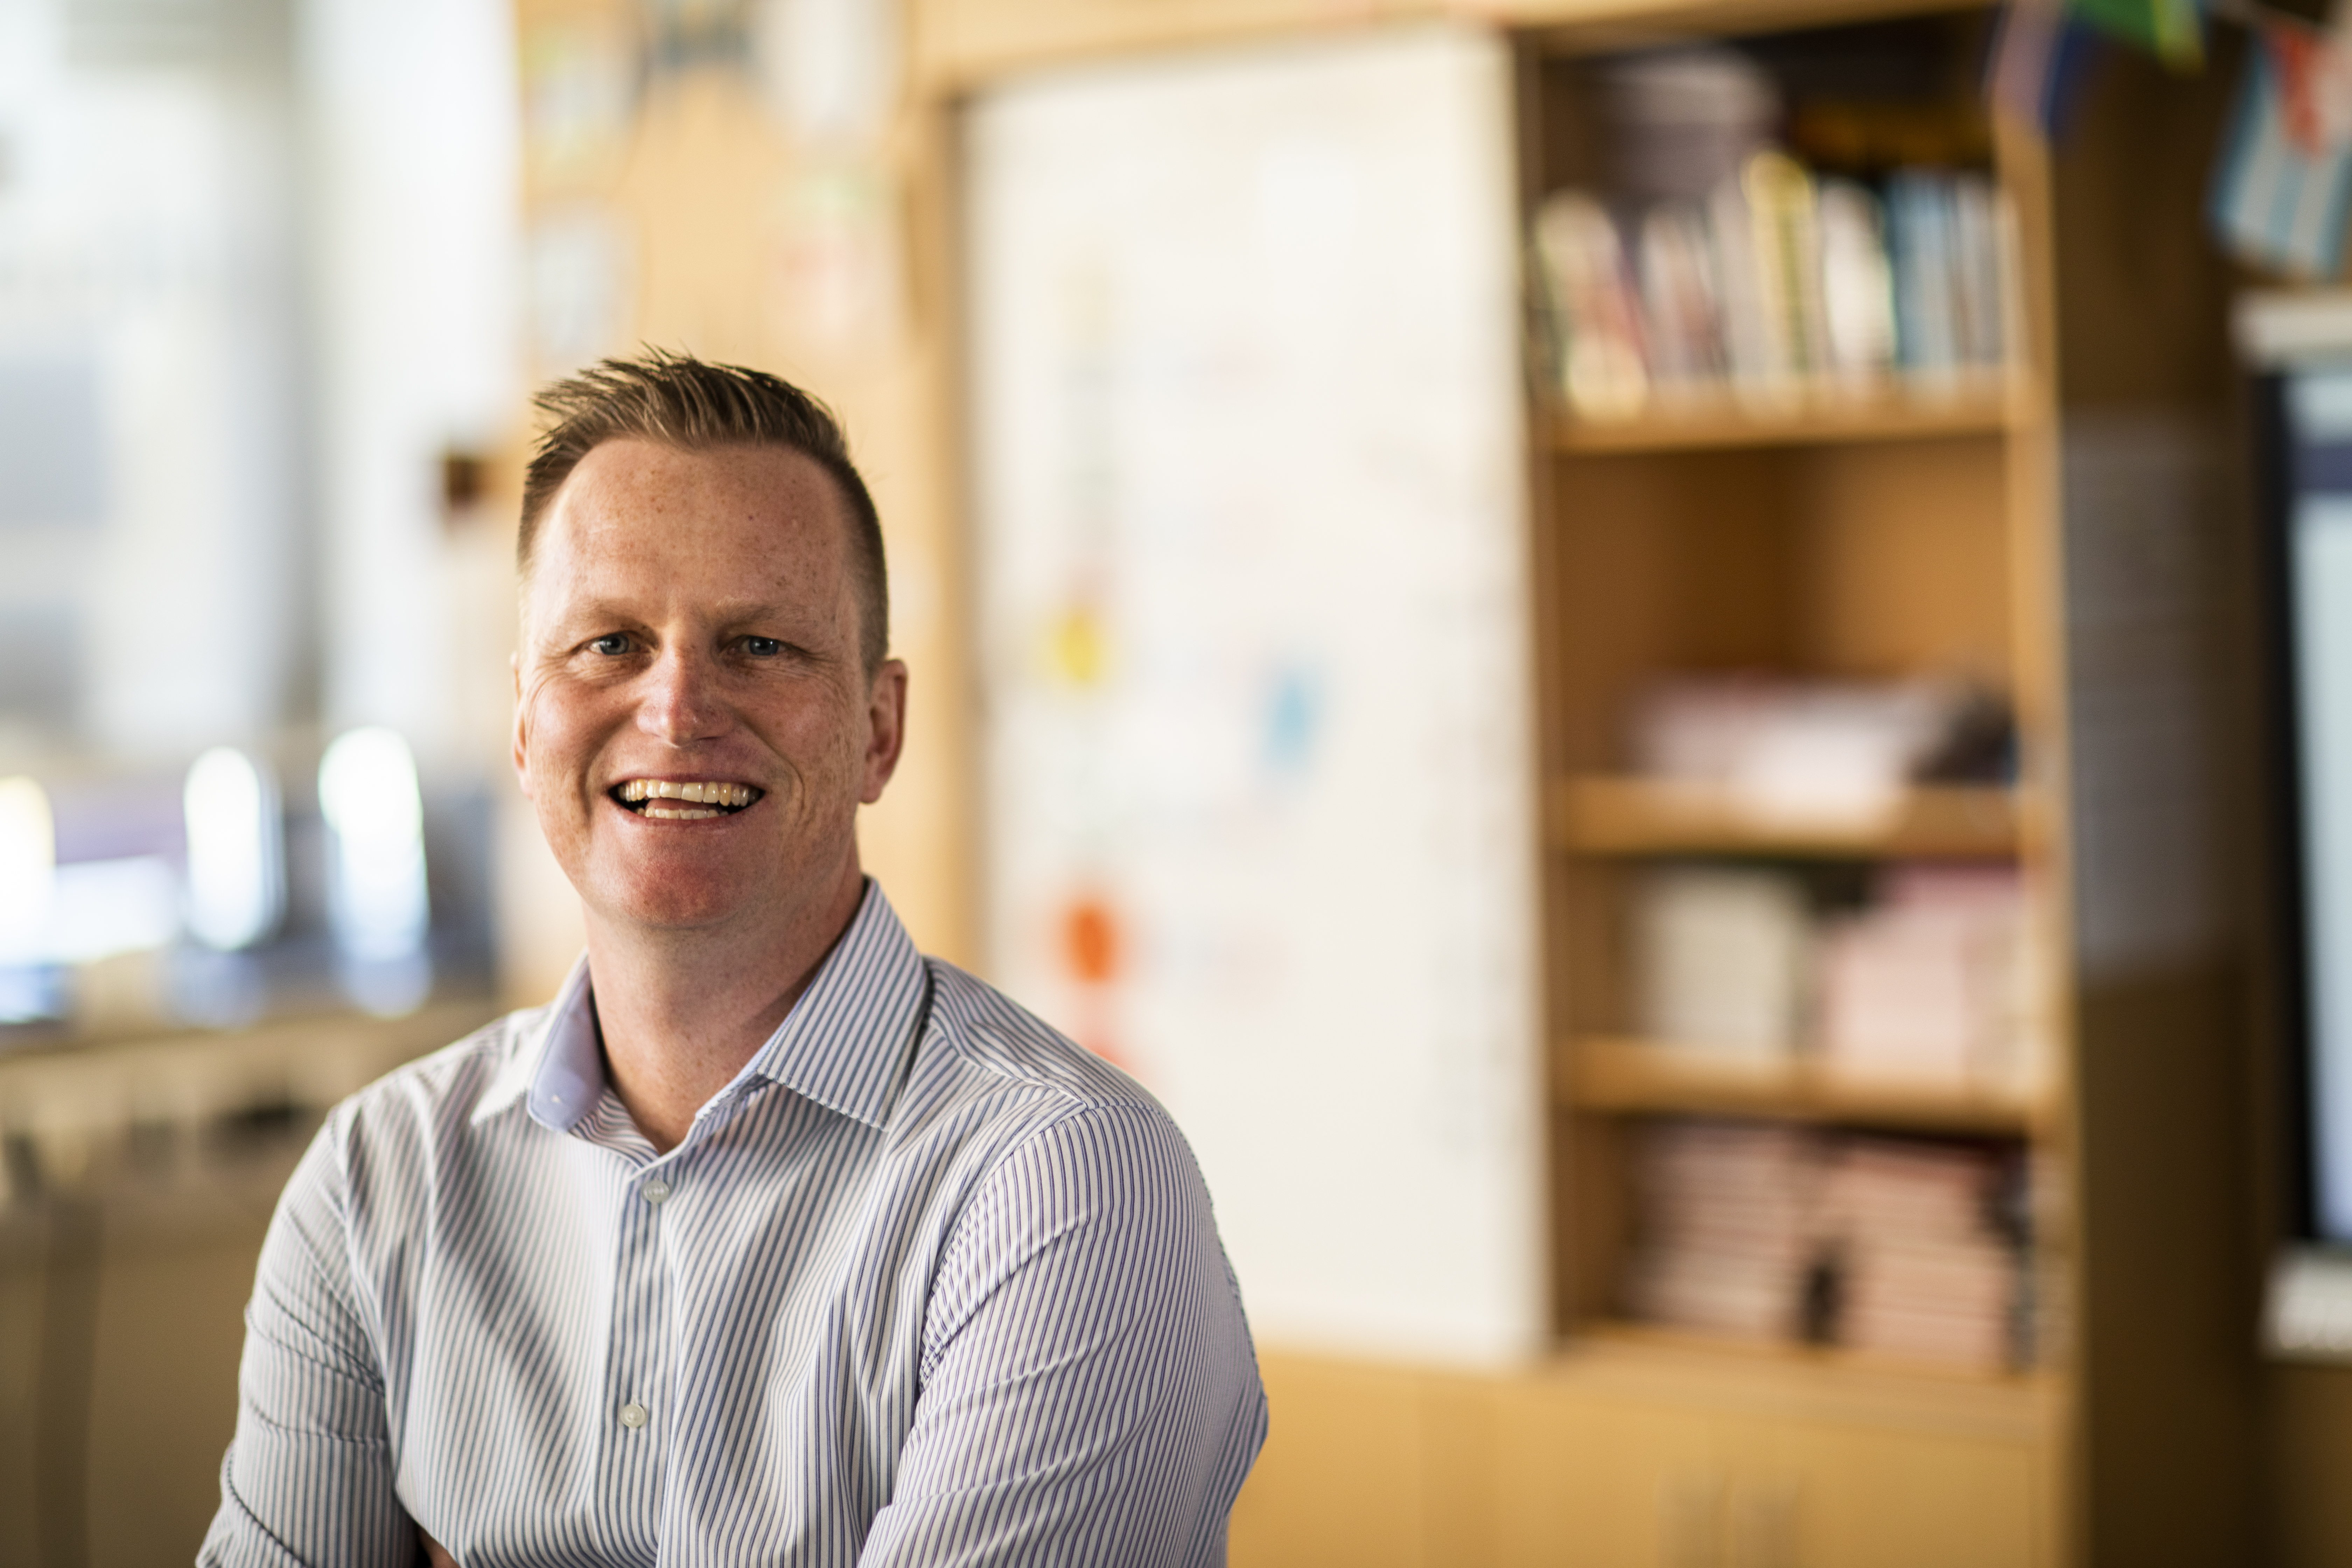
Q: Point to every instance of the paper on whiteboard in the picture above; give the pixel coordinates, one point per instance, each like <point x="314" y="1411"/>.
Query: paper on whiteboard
<point x="1248" y="459"/>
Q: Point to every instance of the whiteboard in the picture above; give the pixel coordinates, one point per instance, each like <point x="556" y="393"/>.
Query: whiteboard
<point x="1249" y="485"/>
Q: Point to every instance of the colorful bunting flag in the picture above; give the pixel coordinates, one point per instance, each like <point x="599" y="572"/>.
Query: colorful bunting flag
<point x="2040" y="58"/>
<point x="2282" y="186"/>
<point x="2172" y="30"/>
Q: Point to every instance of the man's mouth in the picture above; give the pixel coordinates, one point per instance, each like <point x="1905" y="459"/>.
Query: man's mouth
<point x="669" y="800"/>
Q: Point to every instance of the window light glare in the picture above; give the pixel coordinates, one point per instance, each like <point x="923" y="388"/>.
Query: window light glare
<point x="367" y="793"/>
<point x="28" y="864"/>
<point x="235" y="869"/>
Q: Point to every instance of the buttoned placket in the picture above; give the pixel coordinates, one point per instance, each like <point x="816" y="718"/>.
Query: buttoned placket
<point x="641" y="1402"/>
<point x="636" y="1427"/>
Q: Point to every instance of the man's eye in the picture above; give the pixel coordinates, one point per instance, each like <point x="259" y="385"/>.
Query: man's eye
<point x="611" y="643"/>
<point x="763" y="648"/>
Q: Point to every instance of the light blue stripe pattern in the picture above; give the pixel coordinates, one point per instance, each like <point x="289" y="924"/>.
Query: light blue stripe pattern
<point x="927" y="1283"/>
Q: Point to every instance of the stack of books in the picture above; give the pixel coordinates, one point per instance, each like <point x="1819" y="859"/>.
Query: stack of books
<point x="1931" y="983"/>
<point x="1908" y="1248"/>
<point x="1924" y="1253"/>
<point x="1726" y="1227"/>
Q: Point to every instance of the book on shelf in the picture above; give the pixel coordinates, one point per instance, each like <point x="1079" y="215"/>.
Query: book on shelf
<point x="1722" y="959"/>
<point x="1776" y="290"/>
<point x="1725" y="1235"/>
<point x="1602" y="366"/>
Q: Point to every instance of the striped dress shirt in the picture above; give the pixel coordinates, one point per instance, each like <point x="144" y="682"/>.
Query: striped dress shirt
<point x="926" y="1283"/>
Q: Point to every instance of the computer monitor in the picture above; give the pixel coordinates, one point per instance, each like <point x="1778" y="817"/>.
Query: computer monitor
<point x="2298" y="349"/>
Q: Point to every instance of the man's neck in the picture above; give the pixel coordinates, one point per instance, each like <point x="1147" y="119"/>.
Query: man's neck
<point x="680" y="1013"/>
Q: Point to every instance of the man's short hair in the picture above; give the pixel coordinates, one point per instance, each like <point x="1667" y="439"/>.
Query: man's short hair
<point x="694" y="406"/>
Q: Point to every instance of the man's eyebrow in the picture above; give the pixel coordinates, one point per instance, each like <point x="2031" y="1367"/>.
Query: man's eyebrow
<point x="616" y="610"/>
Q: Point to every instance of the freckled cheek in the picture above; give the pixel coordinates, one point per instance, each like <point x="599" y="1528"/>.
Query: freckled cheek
<point x="562" y="729"/>
<point x="815" y="742"/>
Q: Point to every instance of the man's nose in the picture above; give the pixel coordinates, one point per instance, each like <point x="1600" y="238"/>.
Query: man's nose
<point x="682" y="703"/>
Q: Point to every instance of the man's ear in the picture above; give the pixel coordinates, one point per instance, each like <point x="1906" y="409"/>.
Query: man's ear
<point x="517" y="732"/>
<point x="886" y="727"/>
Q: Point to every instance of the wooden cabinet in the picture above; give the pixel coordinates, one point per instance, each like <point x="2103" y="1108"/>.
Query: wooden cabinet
<point x="1631" y="1455"/>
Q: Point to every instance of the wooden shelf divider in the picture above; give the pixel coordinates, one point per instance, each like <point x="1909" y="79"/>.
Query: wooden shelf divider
<point x="1606" y="814"/>
<point x="1899" y="414"/>
<point x="1924" y="1389"/>
<point x="1645" y="1076"/>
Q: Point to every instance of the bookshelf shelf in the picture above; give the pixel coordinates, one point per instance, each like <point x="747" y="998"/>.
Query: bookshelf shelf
<point x="1723" y="422"/>
<point x="1618" y="814"/>
<point x="1636" y="1077"/>
<point x="1843" y="1381"/>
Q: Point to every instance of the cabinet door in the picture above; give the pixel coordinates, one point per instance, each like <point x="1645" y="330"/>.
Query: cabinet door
<point x="1613" y="1483"/>
<point x="1583" y="1483"/>
<point x="1860" y="1497"/>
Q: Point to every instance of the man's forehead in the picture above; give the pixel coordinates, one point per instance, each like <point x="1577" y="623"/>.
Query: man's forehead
<point x="628" y="495"/>
<point x="636" y="469"/>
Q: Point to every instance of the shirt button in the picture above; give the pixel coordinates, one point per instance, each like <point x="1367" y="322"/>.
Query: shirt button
<point x="633" y="1416"/>
<point x="656" y="1189"/>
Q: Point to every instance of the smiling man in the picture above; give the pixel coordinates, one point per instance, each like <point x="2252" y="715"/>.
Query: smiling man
<point x="769" y="1240"/>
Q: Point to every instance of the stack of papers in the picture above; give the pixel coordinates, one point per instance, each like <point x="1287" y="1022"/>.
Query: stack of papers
<point x="1818" y="750"/>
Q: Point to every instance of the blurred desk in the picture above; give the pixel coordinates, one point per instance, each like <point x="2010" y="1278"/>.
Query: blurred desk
<point x="64" y="1109"/>
<point x="137" y="1180"/>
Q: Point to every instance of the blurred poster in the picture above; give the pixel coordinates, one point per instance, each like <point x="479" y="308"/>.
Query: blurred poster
<point x="1248" y="448"/>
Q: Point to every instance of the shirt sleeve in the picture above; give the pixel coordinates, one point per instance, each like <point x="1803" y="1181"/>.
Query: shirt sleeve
<point x="1089" y="1390"/>
<point x="308" y="1477"/>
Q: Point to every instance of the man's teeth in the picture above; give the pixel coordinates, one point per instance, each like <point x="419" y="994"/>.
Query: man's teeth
<point x="728" y="795"/>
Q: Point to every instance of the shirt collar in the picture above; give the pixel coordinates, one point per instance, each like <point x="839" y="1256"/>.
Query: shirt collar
<point x="556" y="1062"/>
<point x="845" y="1043"/>
<point x="842" y="1044"/>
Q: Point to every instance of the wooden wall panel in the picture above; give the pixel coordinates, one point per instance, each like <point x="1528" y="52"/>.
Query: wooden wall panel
<point x="739" y="241"/>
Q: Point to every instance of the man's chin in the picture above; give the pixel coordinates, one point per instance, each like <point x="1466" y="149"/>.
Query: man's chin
<point x="680" y="905"/>
<point x="706" y="888"/>
<point x="685" y="917"/>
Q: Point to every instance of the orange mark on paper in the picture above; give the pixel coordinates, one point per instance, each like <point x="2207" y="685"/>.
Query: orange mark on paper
<point x="1090" y="940"/>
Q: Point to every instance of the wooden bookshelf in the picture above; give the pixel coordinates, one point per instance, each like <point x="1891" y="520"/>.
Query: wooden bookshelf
<point x="1650" y="1077"/>
<point x="1721" y="421"/>
<point x="1903" y="536"/>
<point x="1627" y="814"/>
